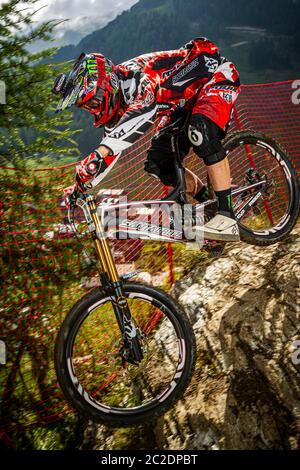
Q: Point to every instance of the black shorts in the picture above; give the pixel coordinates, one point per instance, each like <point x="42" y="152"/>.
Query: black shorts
<point x="160" y="158"/>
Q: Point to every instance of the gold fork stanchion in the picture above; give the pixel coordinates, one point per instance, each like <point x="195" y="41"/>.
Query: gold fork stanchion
<point x="102" y="244"/>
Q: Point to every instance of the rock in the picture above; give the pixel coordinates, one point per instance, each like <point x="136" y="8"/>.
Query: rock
<point x="246" y="390"/>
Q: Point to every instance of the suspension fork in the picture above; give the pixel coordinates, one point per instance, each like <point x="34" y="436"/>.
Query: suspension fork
<point x="132" y="351"/>
<point x="101" y="242"/>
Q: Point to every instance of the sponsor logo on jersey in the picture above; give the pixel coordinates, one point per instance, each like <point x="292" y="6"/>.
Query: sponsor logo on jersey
<point x="227" y="97"/>
<point x="211" y="64"/>
<point x="167" y="73"/>
<point x="162" y="106"/>
<point x="224" y="87"/>
<point x="184" y="72"/>
<point x="117" y="135"/>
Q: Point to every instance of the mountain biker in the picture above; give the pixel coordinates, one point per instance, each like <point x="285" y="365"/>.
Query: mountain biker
<point x="127" y="99"/>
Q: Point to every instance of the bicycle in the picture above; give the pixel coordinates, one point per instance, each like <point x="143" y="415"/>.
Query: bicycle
<point x="149" y="353"/>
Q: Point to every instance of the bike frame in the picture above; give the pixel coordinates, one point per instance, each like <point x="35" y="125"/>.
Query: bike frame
<point x="110" y="279"/>
<point x="158" y="232"/>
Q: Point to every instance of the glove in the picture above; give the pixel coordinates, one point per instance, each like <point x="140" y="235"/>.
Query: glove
<point x="90" y="167"/>
<point x="87" y="170"/>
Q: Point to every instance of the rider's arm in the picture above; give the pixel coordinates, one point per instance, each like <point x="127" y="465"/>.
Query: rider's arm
<point x="93" y="168"/>
<point x="133" y="124"/>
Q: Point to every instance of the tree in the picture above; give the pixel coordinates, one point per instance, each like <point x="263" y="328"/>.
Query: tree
<point x="28" y="125"/>
<point x="38" y="274"/>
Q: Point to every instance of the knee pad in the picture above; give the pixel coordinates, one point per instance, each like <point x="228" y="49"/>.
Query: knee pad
<point x="205" y="136"/>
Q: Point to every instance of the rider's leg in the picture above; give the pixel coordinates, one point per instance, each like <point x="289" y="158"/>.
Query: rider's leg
<point x="206" y="138"/>
<point x="160" y="160"/>
<point x="160" y="163"/>
<point x="219" y="175"/>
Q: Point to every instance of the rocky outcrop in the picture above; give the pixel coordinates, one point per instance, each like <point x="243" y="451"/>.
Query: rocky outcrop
<point x="245" y="393"/>
<point x="246" y="390"/>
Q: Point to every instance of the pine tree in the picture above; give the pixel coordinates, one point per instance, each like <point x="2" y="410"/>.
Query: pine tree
<point x="29" y="128"/>
<point x="39" y="269"/>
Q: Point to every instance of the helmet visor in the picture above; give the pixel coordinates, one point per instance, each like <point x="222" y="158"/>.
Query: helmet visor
<point x="79" y="82"/>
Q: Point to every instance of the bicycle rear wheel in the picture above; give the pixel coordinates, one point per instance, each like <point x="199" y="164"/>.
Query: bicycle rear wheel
<point x="89" y="365"/>
<point x="253" y="158"/>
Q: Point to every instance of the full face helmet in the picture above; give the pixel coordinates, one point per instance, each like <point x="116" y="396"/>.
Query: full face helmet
<point x="92" y="84"/>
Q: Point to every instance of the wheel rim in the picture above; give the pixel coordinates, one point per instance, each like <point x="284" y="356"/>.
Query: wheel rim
<point x="271" y="212"/>
<point x="95" y="366"/>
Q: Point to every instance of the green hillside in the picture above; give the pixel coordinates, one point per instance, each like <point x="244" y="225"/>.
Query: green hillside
<point x="260" y="36"/>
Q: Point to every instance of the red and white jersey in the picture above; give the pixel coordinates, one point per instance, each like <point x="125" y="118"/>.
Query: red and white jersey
<point x="193" y="78"/>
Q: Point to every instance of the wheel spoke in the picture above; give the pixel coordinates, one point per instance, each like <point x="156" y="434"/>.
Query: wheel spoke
<point x="271" y="207"/>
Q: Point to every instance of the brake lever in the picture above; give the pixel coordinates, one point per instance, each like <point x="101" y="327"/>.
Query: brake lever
<point x="72" y="200"/>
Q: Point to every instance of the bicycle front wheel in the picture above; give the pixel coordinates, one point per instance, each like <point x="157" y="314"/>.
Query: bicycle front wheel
<point x="89" y="365"/>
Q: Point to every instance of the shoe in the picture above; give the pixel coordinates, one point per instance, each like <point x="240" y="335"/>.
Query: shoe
<point x="221" y="228"/>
